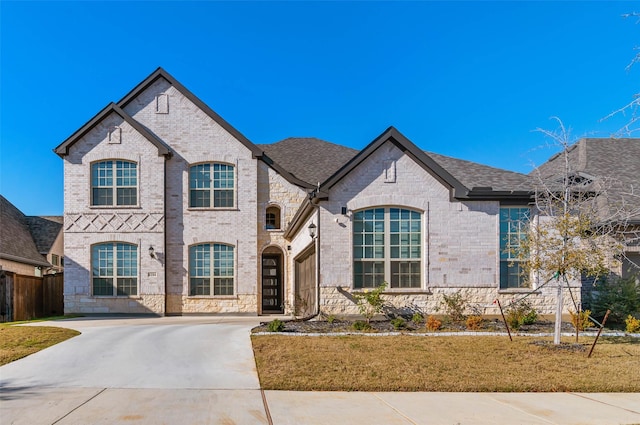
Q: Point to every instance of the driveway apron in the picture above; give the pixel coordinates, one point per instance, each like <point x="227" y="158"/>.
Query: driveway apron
<point x="143" y="370"/>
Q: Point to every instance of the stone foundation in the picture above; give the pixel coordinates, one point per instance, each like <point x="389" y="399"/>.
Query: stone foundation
<point x="243" y="303"/>
<point x="339" y="301"/>
<point x="145" y="304"/>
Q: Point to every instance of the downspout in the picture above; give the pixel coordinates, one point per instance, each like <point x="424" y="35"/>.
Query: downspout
<point x="317" y="242"/>
<point x="166" y="285"/>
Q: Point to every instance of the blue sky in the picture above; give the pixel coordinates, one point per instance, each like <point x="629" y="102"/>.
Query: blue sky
<point x="471" y="80"/>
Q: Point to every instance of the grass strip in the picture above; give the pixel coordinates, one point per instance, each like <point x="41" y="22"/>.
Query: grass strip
<point x="17" y="342"/>
<point x="466" y="364"/>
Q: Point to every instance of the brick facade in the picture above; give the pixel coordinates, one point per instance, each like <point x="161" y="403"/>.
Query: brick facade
<point x="459" y="238"/>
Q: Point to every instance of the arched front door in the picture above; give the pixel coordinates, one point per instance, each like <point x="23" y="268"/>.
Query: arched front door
<point x="272" y="282"/>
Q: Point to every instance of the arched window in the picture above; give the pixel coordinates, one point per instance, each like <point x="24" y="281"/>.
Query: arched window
<point x="114" y="269"/>
<point x="272" y="218"/>
<point x="114" y="183"/>
<point x="211" y="186"/>
<point x="387" y="247"/>
<point x="211" y="269"/>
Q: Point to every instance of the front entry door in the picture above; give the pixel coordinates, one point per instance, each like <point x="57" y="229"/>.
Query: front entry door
<point x="272" y="301"/>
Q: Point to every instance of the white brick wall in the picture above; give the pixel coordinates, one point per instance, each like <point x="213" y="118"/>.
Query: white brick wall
<point x="85" y="225"/>
<point x="461" y="239"/>
<point x="194" y="137"/>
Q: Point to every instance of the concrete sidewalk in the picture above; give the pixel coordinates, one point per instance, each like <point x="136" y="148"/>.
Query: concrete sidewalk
<point x="82" y="406"/>
<point x="200" y="370"/>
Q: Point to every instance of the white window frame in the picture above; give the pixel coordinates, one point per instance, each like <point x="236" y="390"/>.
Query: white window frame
<point x="213" y="276"/>
<point x="277" y="214"/>
<point x="509" y="263"/>
<point x="212" y="190"/>
<point x="415" y="249"/>
<point x="113" y="187"/>
<point x="116" y="266"/>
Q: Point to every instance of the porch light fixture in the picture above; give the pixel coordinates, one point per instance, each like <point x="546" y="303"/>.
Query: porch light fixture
<point x="312" y="230"/>
<point x="152" y="252"/>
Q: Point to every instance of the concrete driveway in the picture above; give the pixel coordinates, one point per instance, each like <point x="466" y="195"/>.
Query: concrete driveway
<point x="200" y="370"/>
<point x="147" y="370"/>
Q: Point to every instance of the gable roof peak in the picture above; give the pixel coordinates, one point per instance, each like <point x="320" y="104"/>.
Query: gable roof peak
<point x="63" y="148"/>
<point x="393" y="135"/>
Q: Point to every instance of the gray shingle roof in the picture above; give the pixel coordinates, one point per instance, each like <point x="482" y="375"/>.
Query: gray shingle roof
<point x="472" y="174"/>
<point x="44" y="231"/>
<point x="307" y="158"/>
<point x="601" y="157"/>
<point x="314" y="160"/>
<point x="16" y="242"/>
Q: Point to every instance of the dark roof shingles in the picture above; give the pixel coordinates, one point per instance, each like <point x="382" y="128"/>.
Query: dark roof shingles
<point x="314" y="160"/>
<point x="16" y="241"/>
<point x="608" y="158"/>
<point x="309" y="159"/>
<point x="44" y="231"/>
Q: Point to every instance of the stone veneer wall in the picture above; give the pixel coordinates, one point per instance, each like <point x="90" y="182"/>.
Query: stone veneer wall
<point x="275" y="190"/>
<point x="338" y="301"/>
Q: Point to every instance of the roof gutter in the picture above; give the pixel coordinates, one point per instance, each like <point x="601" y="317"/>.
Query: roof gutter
<point x="25" y="260"/>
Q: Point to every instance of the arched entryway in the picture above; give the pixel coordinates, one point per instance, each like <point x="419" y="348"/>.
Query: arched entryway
<point x="272" y="281"/>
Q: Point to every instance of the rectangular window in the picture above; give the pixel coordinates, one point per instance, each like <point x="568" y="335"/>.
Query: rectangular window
<point x="211" y="186"/>
<point x="109" y="188"/>
<point x="55" y="260"/>
<point x="387" y="247"/>
<point x="514" y="223"/>
<point x="211" y="266"/>
<point x="114" y="269"/>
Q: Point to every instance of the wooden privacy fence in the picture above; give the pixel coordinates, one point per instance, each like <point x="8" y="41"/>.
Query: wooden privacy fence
<point x="30" y="297"/>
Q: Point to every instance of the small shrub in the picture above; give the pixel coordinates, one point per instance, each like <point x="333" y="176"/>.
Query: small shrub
<point x="433" y="324"/>
<point x="361" y="325"/>
<point x="370" y="302"/>
<point x="417" y="318"/>
<point x="454" y="306"/>
<point x="521" y="314"/>
<point x="276" y="325"/>
<point x="580" y="320"/>
<point x="331" y="318"/>
<point x="399" y="323"/>
<point x="633" y="324"/>
<point x="474" y="323"/>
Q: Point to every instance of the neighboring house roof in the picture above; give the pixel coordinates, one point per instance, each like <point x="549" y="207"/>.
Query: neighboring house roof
<point x="309" y="159"/>
<point x="16" y="241"/>
<point x="63" y="149"/>
<point x="44" y="231"/>
<point x="611" y="158"/>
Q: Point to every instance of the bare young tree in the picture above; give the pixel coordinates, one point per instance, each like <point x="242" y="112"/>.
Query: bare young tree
<point x="582" y="224"/>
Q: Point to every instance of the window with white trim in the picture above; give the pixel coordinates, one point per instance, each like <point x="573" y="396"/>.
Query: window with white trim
<point x="212" y="186"/>
<point x="114" y="183"/>
<point x="387" y="247"/>
<point x="272" y="217"/>
<point x="114" y="269"/>
<point x="514" y="223"/>
<point x="211" y="269"/>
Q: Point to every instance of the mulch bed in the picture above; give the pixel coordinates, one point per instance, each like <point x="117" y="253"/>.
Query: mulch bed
<point x="385" y="325"/>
